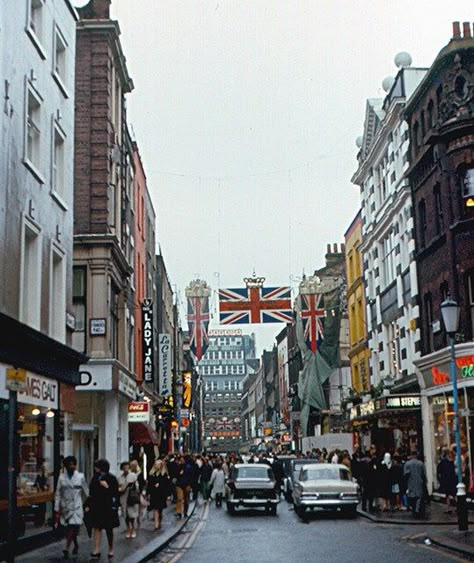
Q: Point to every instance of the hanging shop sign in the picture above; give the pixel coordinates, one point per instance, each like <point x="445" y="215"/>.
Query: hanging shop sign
<point x="187" y="389"/>
<point x="148" y="344"/>
<point x="164" y="363"/>
<point x="138" y="411"/>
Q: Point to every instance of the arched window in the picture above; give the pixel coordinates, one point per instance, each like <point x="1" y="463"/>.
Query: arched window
<point x="460" y="86"/>
<point x="439" y="217"/>
<point x="431" y="115"/>
<point x="414" y="135"/>
<point x="422" y="223"/>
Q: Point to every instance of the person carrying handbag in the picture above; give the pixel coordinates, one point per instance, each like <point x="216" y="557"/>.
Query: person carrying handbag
<point x="131" y="504"/>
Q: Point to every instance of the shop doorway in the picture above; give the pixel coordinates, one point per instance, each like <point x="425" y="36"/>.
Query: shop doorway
<point x="85" y="449"/>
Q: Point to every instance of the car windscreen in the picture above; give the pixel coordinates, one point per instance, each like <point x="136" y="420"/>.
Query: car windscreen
<point x="325" y="472"/>
<point x="253" y="473"/>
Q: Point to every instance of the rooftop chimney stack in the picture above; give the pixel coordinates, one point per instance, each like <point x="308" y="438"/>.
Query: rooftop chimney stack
<point x="456" y="30"/>
<point x="466" y="30"/>
<point x="328" y="248"/>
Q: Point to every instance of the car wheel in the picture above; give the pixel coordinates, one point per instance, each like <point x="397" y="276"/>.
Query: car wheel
<point x="350" y="511"/>
<point x="300" y="510"/>
<point x="230" y="508"/>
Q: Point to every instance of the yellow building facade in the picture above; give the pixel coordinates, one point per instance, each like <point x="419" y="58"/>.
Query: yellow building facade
<point x="358" y="352"/>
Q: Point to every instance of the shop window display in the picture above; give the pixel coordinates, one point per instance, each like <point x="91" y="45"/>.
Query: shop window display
<point x="444" y="426"/>
<point x="35" y="466"/>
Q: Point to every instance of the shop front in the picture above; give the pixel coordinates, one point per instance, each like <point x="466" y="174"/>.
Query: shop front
<point x="37" y="440"/>
<point x="438" y="409"/>
<point x="392" y="423"/>
<point x="35" y="373"/>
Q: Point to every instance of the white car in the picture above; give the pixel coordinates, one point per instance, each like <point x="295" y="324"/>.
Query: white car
<point x="328" y="486"/>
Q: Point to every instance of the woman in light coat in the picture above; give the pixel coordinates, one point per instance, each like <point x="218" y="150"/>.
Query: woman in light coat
<point x="128" y="488"/>
<point x="71" y="491"/>
<point x="218" y="484"/>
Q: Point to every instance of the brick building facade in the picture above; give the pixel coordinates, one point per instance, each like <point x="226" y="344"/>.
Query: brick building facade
<point x="440" y="117"/>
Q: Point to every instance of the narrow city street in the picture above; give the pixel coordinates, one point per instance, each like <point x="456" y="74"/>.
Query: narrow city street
<point x="213" y="535"/>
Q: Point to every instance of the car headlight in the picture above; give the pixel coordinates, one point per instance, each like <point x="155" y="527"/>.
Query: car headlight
<point x="349" y="495"/>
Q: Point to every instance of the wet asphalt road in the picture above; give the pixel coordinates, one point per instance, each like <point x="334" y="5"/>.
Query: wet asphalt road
<point x="214" y="536"/>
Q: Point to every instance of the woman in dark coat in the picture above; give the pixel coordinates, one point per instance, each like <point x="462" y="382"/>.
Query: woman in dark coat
<point x="158" y="489"/>
<point x="103" y="506"/>
<point x="447" y="478"/>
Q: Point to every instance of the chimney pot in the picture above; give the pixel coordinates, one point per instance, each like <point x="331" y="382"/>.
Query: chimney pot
<point x="343" y="248"/>
<point x="456" y="30"/>
<point x="335" y="247"/>
<point x="328" y="248"/>
<point x="466" y="30"/>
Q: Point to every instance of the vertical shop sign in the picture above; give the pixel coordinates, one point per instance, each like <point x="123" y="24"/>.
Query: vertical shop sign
<point x="147" y="324"/>
<point x="187" y="389"/>
<point x="164" y="361"/>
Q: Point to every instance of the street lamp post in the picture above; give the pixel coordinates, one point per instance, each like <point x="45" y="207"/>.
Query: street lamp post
<point x="450" y="314"/>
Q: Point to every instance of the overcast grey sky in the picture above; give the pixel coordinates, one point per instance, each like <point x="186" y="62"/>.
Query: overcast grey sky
<point x="246" y="114"/>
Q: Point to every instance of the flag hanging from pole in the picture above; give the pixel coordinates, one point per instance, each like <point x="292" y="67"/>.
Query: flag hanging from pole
<point x="198" y="317"/>
<point x="255" y="304"/>
<point x="312" y="314"/>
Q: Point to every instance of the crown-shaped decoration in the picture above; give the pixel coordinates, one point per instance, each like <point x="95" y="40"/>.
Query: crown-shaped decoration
<point x="198" y="288"/>
<point x="311" y="285"/>
<point x="254" y="281"/>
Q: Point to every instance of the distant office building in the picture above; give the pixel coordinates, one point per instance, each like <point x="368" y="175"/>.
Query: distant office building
<point x="223" y="369"/>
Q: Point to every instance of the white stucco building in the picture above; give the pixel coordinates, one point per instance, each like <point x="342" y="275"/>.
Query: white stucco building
<point x="387" y="230"/>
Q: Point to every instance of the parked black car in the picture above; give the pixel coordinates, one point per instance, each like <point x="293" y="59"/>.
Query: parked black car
<point x="252" y="485"/>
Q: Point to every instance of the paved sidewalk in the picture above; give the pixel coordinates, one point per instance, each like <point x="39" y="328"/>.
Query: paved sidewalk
<point x="435" y="515"/>
<point x="454" y="540"/>
<point x="144" y="546"/>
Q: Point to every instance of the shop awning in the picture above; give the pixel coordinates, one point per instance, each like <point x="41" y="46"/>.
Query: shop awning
<point x="142" y="434"/>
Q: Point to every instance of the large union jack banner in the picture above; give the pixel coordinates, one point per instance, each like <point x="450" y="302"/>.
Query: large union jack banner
<point x="255" y="304"/>
<point x="198" y="323"/>
<point x="311" y="314"/>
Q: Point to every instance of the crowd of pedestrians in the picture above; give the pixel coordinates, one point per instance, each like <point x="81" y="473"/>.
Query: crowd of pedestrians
<point x="130" y="497"/>
<point x="387" y="483"/>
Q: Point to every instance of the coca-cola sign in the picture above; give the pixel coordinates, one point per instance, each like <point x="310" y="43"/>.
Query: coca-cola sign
<point x="138" y="411"/>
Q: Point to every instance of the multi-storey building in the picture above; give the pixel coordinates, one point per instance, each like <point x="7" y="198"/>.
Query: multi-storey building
<point x="223" y="369"/>
<point x="389" y="266"/>
<point x="37" y="58"/>
<point x="441" y="123"/>
<point x="387" y="231"/>
<point x="104" y="261"/>
<point x="359" y="351"/>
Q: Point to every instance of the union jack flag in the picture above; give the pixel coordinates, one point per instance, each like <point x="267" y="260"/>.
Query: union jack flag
<point x="255" y="305"/>
<point x="198" y="322"/>
<point x="311" y="315"/>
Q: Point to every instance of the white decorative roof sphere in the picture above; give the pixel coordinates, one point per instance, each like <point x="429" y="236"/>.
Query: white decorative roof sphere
<point x="402" y="59"/>
<point x="359" y="141"/>
<point x="387" y="83"/>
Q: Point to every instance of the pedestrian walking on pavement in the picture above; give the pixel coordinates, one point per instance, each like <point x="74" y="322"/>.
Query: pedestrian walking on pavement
<point x="446" y="472"/>
<point x="183" y="486"/>
<point x="206" y="473"/>
<point x="71" y="492"/>
<point x="129" y="499"/>
<point x="158" y="489"/>
<point x="218" y="484"/>
<point x="415" y="475"/>
<point x="103" y="504"/>
<point x="385" y="481"/>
